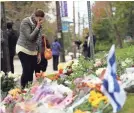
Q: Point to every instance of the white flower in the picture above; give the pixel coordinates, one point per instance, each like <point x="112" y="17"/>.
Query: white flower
<point x="128" y="60"/>
<point x="75" y="64"/>
<point x="2" y="74"/>
<point x="26" y="89"/>
<point x="99" y="71"/>
<point x="98" y="63"/>
<point x="96" y="60"/>
<point x="123" y="64"/>
<point x="11" y="75"/>
<point x="16" y="79"/>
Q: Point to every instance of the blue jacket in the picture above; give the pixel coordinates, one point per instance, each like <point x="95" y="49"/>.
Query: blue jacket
<point x="56" y="47"/>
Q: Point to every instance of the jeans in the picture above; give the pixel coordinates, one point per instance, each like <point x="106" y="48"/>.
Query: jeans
<point x="11" y="63"/>
<point x="55" y="62"/>
<point x="42" y="66"/>
<point x="28" y="63"/>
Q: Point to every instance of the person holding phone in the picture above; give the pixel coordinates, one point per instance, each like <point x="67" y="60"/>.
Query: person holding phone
<point x="29" y="46"/>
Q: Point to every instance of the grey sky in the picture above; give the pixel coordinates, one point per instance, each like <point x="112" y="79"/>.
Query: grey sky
<point x="80" y="6"/>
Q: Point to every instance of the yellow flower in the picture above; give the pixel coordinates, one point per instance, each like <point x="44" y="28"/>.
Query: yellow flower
<point x="92" y="93"/>
<point x="99" y="95"/>
<point x="79" y="111"/>
<point x="50" y="105"/>
<point x="104" y="98"/>
<point x="61" y="66"/>
<point x="14" y="92"/>
<point x="96" y="97"/>
<point x="95" y="104"/>
<point x="92" y="98"/>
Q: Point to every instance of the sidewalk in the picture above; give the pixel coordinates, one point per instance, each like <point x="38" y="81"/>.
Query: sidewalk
<point x="18" y="68"/>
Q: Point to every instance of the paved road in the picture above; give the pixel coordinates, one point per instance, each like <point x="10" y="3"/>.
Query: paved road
<point x="18" y="68"/>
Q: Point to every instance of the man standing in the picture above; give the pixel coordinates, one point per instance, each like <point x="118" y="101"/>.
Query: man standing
<point x="12" y="40"/>
<point x="56" y="47"/>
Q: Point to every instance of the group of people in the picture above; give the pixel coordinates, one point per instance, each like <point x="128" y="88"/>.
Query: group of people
<point x="30" y="47"/>
<point x="31" y="44"/>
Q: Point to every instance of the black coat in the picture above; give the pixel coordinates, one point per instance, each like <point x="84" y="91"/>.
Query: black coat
<point x="12" y="40"/>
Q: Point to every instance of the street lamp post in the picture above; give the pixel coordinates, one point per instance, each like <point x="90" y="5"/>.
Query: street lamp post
<point x="90" y="31"/>
<point x="5" y="63"/>
<point x="60" y="34"/>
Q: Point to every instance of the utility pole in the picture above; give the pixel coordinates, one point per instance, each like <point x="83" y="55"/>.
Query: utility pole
<point x="78" y="22"/>
<point x="60" y="34"/>
<point x="74" y="35"/>
<point x="5" y="60"/>
<point x="83" y="23"/>
<point x="90" y="31"/>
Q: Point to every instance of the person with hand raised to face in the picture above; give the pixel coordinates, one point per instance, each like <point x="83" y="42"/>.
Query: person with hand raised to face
<point x="29" y="45"/>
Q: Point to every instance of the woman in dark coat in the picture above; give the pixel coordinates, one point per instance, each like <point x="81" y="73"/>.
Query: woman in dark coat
<point x="42" y="66"/>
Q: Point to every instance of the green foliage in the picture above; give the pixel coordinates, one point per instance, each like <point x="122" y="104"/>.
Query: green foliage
<point x="124" y="17"/>
<point x="81" y="68"/>
<point x="7" y="83"/>
<point x="124" y="53"/>
<point x="121" y="57"/>
<point x="86" y="106"/>
<point x="102" y="46"/>
<point x="102" y="30"/>
<point x="67" y="41"/>
<point x="104" y="36"/>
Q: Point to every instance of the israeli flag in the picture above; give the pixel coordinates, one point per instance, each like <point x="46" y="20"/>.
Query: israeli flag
<point x="111" y="88"/>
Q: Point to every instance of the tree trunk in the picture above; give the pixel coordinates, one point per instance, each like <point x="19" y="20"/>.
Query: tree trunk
<point x="119" y="40"/>
<point x="118" y="36"/>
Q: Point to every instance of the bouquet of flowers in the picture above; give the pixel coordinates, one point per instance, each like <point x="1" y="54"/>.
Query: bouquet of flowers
<point x="11" y="99"/>
<point x="8" y="82"/>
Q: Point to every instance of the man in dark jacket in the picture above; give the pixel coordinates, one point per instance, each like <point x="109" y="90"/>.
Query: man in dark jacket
<point x="12" y="40"/>
<point x="94" y="42"/>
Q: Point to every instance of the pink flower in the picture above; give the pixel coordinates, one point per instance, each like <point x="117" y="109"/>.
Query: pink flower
<point x="9" y="99"/>
<point x="77" y="80"/>
<point x="68" y="100"/>
<point x="98" y="63"/>
<point x="34" y="89"/>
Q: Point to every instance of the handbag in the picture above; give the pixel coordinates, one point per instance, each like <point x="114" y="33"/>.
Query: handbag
<point x="47" y="52"/>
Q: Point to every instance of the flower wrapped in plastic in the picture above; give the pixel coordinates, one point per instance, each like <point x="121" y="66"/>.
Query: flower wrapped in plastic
<point x="25" y="107"/>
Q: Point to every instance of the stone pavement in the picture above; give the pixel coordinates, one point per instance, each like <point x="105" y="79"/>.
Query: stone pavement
<point x="18" y="68"/>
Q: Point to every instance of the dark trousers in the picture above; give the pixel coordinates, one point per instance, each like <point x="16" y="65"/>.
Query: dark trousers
<point x="55" y="62"/>
<point x="28" y="63"/>
<point x="11" y="63"/>
<point x="42" y="66"/>
<point x="88" y="53"/>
